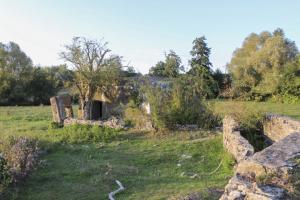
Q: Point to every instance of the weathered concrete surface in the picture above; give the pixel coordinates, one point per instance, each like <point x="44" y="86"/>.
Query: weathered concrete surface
<point x="61" y="107"/>
<point x="66" y="101"/>
<point x="276" y="158"/>
<point x="57" y="111"/>
<point x="268" y="174"/>
<point x="240" y="188"/>
<point x="237" y="145"/>
<point x="275" y="163"/>
<point x="276" y="127"/>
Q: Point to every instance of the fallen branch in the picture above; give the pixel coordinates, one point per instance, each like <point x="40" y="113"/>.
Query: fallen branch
<point x="112" y="194"/>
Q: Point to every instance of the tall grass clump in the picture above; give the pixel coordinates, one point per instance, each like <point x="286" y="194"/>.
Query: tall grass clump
<point x="77" y="134"/>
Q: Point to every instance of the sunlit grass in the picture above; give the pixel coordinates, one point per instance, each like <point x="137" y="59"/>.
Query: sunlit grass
<point x="150" y="167"/>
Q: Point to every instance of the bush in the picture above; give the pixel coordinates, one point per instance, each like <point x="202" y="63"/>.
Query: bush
<point x="134" y="117"/>
<point x="5" y="177"/>
<point x="178" y="104"/>
<point x="21" y="157"/>
<point x="85" y="133"/>
<point x="18" y="158"/>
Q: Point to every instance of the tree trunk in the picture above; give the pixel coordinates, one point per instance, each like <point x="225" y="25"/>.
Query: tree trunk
<point x="87" y="115"/>
<point x="81" y="108"/>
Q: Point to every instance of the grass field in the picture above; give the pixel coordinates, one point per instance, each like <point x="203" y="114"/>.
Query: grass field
<point x="292" y="110"/>
<point x="150" y="167"/>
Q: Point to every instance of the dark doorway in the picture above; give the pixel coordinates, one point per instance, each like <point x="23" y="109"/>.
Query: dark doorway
<point x="97" y="110"/>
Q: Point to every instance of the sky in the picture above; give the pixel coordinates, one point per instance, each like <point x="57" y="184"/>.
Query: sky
<point x="142" y="31"/>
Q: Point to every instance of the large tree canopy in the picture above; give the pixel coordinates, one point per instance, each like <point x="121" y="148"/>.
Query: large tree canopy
<point x="95" y="70"/>
<point x="257" y="66"/>
<point x="23" y="84"/>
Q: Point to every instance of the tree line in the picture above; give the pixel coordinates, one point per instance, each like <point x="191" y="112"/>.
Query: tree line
<point x="265" y="67"/>
<point x="21" y="83"/>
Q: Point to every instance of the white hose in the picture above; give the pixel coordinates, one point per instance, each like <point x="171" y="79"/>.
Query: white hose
<point x="112" y="194"/>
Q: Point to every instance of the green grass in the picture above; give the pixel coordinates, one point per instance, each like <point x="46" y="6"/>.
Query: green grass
<point x="292" y="110"/>
<point x="150" y="167"/>
<point x="147" y="165"/>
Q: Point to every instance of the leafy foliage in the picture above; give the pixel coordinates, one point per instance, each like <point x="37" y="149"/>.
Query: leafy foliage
<point x="95" y="70"/>
<point x="257" y="66"/>
<point x="200" y="55"/>
<point x="170" y="68"/>
<point x="180" y="104"/>
<point x="200" y="74"/>
<point x="78" y="134"/>
<point x="23" y="84"/>
<point x="5" y="176"/>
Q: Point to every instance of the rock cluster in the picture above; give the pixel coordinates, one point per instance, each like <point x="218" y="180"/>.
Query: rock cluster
<point x="112" y="122"/>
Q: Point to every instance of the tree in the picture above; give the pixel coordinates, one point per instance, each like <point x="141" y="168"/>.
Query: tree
<point x="200" y="73"/>
<point x="15" y="74"/>
<point x="256" y="67"/>
<point x="171" y="67"/>
<point x="289" y="83"/>
<point x="95" y="70"/>
<point x="158" y="69"/>
<point x="200" y="55"/>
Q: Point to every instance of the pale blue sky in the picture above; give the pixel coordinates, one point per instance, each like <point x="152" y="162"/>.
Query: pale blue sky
<point x="141" y="31"/>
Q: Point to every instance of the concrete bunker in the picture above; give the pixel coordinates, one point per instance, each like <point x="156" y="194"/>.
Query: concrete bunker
<point x="103" y="112"/>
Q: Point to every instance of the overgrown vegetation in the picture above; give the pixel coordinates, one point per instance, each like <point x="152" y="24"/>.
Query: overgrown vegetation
<point x="250" y="119"/>
<point x="135" y="118"/>
<point x="79" y="134"/>
<point x="18" y="157"/>
<point x="150" y="167"/>
<point x="178" y="104"/>
<point x="23" y="84"/>
<point x="266" y="66"/>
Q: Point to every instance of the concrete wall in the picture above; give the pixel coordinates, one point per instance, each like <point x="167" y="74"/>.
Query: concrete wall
<point x="237" y="145"/>
<point x="276" y="127"/>
<point x="276" y="164"/>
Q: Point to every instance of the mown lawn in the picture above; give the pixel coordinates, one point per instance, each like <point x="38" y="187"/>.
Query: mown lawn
<point x="150" y="167"/>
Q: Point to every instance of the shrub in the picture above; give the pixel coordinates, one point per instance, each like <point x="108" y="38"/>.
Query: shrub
<point x="179" y="104"/>
<point x="21" y="157"/>
<point x="85" y="133"/>
<point x="5" y="176"/>
<point x="18" y="158"/>
<point x="134" y="117"/>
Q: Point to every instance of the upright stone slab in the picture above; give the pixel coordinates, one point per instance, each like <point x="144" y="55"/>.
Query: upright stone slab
<point x="66" y="101"/>
<point x="61" y="107"/>
<point x="56" y="110"/>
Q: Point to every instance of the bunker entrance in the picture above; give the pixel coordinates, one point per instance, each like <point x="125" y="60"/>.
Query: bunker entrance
<point x="97" y="110"/>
